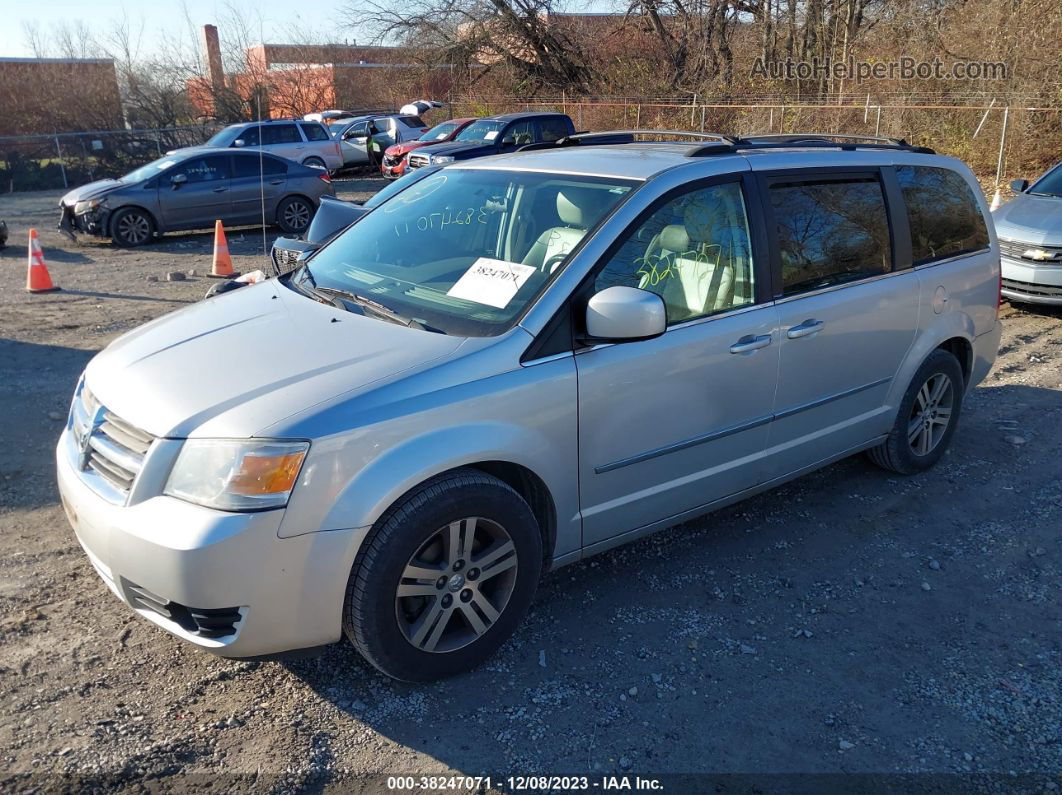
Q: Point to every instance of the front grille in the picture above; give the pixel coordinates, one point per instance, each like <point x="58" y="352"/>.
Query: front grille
<point x="1032" y="289"/>
<point x="212" y="622"/>
<point x="285" y="259"/>
<point x="418" y="161"/>
<point x="109" y="446"/>
<point x="1015" y="249"/>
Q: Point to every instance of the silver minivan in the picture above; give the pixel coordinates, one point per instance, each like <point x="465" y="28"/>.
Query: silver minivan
<point x="518" y="362"/>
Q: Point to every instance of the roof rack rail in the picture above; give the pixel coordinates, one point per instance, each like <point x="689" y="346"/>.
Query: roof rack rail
<point x="844" y="141"/>
<point x="717" y="143"/>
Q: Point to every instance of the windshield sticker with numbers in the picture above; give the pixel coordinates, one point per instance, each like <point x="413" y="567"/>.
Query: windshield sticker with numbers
<point x="493" y="282"/>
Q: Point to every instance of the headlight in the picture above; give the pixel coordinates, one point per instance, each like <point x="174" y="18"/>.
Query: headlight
<point x="442" y="159"/>
<point x="1037" y="254"/>
<point x="85" y="206"/>
<point x="236" y="474"/>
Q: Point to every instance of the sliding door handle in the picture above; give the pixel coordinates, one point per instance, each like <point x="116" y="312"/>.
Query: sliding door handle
<point x="749" y="343"/>
<point x="805" y="329"/>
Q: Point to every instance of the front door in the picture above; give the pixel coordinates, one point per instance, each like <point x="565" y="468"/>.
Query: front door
<point x="201" y="198"/>
<point x="671" y="424"/>
<point x="848" y="315"/>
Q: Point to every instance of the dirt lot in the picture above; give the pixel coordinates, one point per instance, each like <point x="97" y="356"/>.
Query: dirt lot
<point x="850" y="622"/>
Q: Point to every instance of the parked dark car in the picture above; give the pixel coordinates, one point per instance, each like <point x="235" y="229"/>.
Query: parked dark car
<point x="496" y="134"/>
<point x="3" y="233"/>
<point x="333" y="216"/>
<point x="192" y="189"/>
<point x="394" y="160"/>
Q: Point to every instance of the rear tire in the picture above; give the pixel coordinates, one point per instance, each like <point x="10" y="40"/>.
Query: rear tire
<point x="294" y="215"/>
<point x="927" y="418"/>
<point x="444" y="577"/>
<point x="132" y="227"/>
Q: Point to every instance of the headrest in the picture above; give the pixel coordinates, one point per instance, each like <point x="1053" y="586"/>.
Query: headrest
<point x="578" y="206"/>
<point x="699" y="219"/>
<point x="674" y="237"/>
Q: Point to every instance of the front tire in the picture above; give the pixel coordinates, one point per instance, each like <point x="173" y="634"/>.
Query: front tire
<point x="444" y="577"/>
<point x="132" y="227"/>
<point x="928" y="416"/>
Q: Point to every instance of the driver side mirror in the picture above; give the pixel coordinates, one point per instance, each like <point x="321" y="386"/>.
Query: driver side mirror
<point x="239" y="142"/>
<point x="1019" y="185"/>
<point x="625" y="314"/>
<point x="177" y="180"/>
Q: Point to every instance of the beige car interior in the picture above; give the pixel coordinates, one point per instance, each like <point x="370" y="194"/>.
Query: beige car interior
<point x="578" y="209"/>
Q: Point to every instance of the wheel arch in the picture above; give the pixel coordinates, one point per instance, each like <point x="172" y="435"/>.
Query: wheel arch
<point x="156" y="226"/>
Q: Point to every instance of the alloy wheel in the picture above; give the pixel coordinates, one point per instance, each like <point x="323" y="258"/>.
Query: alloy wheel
<point x="297" y="215"/>
<point x="456" y="585"/>
<point x="930" y="414"/>
<point x="134" y="228"/>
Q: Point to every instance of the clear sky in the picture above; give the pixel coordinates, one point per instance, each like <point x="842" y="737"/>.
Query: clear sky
<point x="324" y="18"/>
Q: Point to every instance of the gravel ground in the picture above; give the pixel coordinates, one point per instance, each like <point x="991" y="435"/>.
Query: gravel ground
<point x="849" y="622"/>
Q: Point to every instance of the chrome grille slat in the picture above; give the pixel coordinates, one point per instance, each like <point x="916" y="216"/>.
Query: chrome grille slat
<point x="1014" y="249"/>
<point x="115" y="448"/>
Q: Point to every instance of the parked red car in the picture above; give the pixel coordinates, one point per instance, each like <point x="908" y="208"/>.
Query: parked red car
<point x="394" y="159"/>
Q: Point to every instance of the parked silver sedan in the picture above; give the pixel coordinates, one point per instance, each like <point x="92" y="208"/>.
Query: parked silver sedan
<point x="1030" y="240"/>
<point x="193" y="189"/>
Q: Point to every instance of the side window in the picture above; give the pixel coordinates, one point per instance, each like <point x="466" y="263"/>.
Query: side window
<point x="204" y="169"/>
<point x="314" y="132"/>
<point x="359" y="130"/>
<point x="552" y="129"/>
<point x="280" y="134"/>
<point x="520" y="133"/>
<point x="830" y="232"/>
<point x="248" y="165"/>
<point x="942" y="212"/>
<point x="693" y="252"/>
<point x="249" y="136"/>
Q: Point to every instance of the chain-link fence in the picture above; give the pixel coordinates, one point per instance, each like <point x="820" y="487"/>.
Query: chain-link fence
<point x="996" y="139"/>
<point x="65" y="160"/>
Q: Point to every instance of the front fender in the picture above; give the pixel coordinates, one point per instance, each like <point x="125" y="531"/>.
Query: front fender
<point x="388" y="477"/>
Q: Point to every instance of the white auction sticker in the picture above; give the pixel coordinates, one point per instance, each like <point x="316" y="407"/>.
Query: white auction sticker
<point x="493" y="282"/>
<point x="490" y="136"/>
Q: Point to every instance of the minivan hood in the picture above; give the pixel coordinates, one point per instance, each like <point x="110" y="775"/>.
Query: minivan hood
<point x="1030" y="219"/>
<point x="92" y="190"/>
<point x="233" y="365"/>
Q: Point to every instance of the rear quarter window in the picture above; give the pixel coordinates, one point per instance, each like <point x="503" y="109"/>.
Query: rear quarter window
<point x="315" y="132"/>
<point x="942" y="212"/>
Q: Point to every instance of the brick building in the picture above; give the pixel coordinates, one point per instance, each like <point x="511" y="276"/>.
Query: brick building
<point x="291" y="80"/>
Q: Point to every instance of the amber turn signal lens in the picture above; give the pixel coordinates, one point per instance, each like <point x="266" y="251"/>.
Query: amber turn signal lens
<point x="266" y="474"/>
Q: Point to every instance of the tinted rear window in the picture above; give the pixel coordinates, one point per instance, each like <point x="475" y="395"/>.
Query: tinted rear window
<point x="830" y="232"/>
<point x="315" y="132"/>
<point x="943" y="213"/>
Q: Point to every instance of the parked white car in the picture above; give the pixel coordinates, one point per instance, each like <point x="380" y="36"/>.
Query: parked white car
<point x="391" y="128"/>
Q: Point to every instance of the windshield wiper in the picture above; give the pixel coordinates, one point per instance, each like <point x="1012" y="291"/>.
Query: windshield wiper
<point x="378" y="309"/>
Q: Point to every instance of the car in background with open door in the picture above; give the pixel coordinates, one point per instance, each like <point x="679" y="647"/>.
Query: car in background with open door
<point x="394" y="159"/>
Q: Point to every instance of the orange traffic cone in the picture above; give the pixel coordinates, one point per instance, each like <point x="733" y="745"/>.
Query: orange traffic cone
<point x="38" y="280"/>
<point x="222" y="268"/>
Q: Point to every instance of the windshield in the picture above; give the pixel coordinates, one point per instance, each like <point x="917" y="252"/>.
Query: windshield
<point x="1050" y="184"/>
<point x="224" y="137"/>
<point x="440" y="132"/>
<point x="482" y="130"/>
<point x="399" y="185"/>
<point x="465" y="251"/>
<point x="151" y="169"/>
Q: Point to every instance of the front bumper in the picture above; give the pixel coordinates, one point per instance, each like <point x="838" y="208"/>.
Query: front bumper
<point x="223" y="581"/>
<point x="93" y="222"/>
<point x="1031" y="282"/>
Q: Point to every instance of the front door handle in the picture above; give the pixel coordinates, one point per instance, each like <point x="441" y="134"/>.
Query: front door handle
<point x="805" y="329"/>
<point x="749" y="343"/>
<point x="276" y="182"/>
<point x="220" y="190"/>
